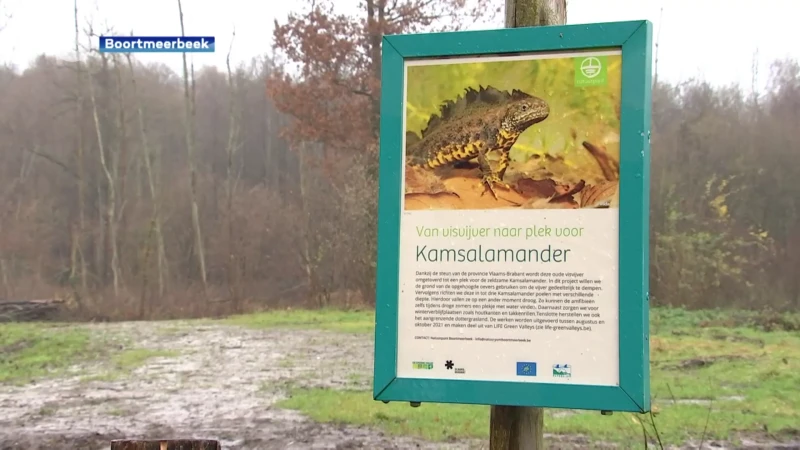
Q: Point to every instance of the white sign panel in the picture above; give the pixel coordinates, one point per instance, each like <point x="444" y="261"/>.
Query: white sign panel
<point x="509" y="262"/>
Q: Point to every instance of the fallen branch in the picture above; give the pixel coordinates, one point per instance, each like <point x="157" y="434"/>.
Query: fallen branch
<point x="30" y="310"/>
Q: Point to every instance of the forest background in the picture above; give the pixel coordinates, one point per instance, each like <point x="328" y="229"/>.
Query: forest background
<point x="139" y="192"/>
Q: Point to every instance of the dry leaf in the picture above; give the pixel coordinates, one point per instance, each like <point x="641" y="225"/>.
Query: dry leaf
<point x="548" y="194"/>
<point x="566" y="191"/>
<point x="458" y="189"/>
<point x="421" y="181"/>
<point x="609" y="167"/>
<point x="605" y="195"/>
<point x="550" y="203"/>
<point x="547" y="187"/>
<point x="531" y="188"/>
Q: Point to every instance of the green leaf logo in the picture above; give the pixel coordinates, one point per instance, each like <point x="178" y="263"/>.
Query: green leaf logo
<point x="591" y="71"/>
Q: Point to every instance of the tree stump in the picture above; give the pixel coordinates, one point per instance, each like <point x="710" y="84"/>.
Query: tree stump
<point x="165" y="444"/>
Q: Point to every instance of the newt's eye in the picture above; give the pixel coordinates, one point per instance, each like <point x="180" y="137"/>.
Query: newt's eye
<point x="524" y="107"/>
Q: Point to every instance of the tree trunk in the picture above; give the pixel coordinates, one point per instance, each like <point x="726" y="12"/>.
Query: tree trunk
<point x="531" y="13"/>
<point x="7" y="289"/>
<point x="230" y="186"/>
<point x="376" y="23"/>
<point x="100" y="242"/>
<point x="269" y="156"/>
<point x="513" y="427"/>
<point x="119" y="173"/>
<point x="153" y="186"/>
<point x="310" y="250"/>
<point x="79" y="156"/>
<point x="189" y="116"/>
<point x="111" y="193"/>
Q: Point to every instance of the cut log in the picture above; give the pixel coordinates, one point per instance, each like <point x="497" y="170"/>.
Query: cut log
<point x="31" y="310"/>
<point x="165" y="444"/>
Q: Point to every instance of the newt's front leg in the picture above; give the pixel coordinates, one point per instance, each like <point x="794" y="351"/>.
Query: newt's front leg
<point x="489" y="177"/>
<point x="502" y="163"/>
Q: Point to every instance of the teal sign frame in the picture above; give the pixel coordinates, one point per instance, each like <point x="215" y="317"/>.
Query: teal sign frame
<point x="634" y="39"/>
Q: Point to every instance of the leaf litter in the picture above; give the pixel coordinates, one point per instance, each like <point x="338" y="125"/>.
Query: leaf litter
<point x="541" y="182"/>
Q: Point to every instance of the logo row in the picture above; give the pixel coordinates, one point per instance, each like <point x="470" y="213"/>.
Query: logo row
<point x="524" y="368"/>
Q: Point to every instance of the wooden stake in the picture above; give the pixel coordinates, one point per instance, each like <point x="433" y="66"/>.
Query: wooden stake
<point x="170" y="444"/>
<point x="516" y="428"/>
<point x="513" y="427"/>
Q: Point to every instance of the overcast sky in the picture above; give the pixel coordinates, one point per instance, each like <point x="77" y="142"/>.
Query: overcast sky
<point x="711" y="39"/>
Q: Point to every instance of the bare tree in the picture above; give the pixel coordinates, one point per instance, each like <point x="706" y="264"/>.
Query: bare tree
<point x="110" y="173"/>
<point x="189" y="117"/>
<point x="311" y="252"/>
<point x="297" y="225"/>
<point x="231" y="183"/>
<point x="77" y="242"/>
<point x="154" y="186"/>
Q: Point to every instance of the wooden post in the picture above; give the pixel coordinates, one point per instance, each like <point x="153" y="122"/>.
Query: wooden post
<point x="169" y="444"/>
<point x="513" y="427"/>
<point x="531" y="13"/>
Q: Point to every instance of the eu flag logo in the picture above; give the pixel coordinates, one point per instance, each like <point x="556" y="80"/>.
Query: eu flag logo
<point x="526" y="369"/>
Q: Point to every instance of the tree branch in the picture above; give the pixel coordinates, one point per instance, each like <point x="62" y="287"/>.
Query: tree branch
<point x="353" y="90"/>
<point x="55" y="161"/>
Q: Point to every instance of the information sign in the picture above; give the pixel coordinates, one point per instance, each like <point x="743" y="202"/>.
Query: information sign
<point x="513" y="217"/>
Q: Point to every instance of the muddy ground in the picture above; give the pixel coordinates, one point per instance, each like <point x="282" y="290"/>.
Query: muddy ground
<point x="219" y="382"/>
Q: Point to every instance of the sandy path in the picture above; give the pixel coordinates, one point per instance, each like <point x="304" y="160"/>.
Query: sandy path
<point x="222" y="386"/>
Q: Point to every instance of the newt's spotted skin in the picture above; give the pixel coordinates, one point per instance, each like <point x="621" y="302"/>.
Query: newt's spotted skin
<point x="470" y="127"/>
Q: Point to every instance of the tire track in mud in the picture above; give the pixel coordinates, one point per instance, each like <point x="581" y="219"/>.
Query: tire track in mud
<point x="222" y="384"/>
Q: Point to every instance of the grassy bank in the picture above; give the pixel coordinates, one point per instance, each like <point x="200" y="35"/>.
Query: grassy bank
<point x="29" y="350"/>
<point x="715" y="375"/>
<point x="324" y="319"/>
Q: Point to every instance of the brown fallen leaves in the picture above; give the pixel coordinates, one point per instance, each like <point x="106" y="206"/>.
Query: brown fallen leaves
<point x="605" y="195"/>
<point x="548" y="184"/>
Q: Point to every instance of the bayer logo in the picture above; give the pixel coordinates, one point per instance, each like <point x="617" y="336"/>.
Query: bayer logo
<point x="590" y="67"/>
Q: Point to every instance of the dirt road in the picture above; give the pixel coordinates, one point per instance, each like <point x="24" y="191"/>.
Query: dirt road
<point x="220" y="383"/>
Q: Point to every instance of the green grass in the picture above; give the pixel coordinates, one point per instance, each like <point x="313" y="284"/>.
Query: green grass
<point x="727" y="360"/>
<point x="124" y="362"/>
<point x="666" y="319"/>
<point x="31" y="350"/>
<point x="661" y="320"/>
<point x="36" y="350"/>
<point x="133" y="358"/>
<point x="324" y="319"/>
